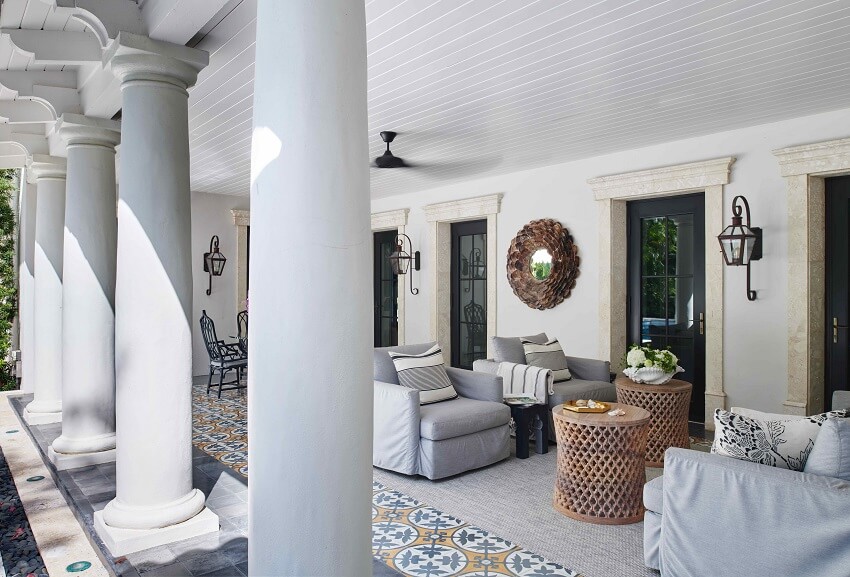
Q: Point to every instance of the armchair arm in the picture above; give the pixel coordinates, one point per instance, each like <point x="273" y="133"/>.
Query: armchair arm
<point x="589" y="369"/>
<point x="395" y="441"/>
<point x="486" y="366"/>
<point x="840" y="400"/>
<point x="756" y="514"/>
<point x="478" y="386"/>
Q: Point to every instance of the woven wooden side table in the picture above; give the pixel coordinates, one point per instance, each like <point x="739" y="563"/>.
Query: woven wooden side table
<point x="668" y="405"/>
<point x="601" y="472"/>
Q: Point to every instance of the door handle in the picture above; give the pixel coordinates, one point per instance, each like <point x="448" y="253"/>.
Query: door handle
<point x="701" y="323"/>
<point x="835" y="327"/>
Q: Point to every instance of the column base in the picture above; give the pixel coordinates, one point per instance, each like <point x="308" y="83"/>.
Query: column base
<point x="125" y="541"/>
<point x="63" y="461"/>
<point x="713" y="401"/>
<point x="41" y="418"/>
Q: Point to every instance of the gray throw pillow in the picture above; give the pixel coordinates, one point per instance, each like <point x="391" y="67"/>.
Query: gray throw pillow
<point x="547" y="355"/>
<point x="830" y="456"/>
<point x="783" y="444"/>
<point x="426" y="373"/>
<point x="509" y="349"/>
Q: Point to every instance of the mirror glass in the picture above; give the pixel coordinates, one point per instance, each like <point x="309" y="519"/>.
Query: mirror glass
<point x="541" y="264"/>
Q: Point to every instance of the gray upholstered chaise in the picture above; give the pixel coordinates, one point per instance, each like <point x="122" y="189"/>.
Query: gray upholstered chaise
<point x="714" y="515"/>
<point x="440" y="439"/>
<point x="591" y="378"/>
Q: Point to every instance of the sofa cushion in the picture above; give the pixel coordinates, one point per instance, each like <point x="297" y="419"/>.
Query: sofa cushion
<point x="653" y="495"/>
<point x="383" y="367"/>
<point x="460" y="417"/>
<point x="509" y="349"/>
<point x="426" y="373"/>
<point x="783" y="444"/>
<point x="547" y="355"/>
<point x="830" y="456"/>
<point x="575" y="389"/>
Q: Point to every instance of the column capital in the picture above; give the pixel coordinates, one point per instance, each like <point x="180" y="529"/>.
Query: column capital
<point x="44" y="166"/>
<point x="136" y="58"/>
<point x="79" y="130"/>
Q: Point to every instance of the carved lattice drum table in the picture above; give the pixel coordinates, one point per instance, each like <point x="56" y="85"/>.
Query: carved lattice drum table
<point x="668" y="406"/>
<point x="601" y="472"/>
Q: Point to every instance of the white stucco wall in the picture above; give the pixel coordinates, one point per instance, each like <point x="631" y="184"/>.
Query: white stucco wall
<point x="755" y="333"/>
<point x="211" y="215"/>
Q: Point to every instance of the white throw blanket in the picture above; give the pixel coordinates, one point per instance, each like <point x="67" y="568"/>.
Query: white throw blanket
<point x="526" y="381"/>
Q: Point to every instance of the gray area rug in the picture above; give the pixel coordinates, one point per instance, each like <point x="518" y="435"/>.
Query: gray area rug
<point x="513" y="499"/>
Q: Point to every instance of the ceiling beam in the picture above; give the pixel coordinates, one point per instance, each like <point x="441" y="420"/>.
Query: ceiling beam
<point x="25" y="111"/>
<point x="55" y="46"/>
<point x="106" y="17"/>
<point x="178" y="21"/>
<point x="22" y="81"/>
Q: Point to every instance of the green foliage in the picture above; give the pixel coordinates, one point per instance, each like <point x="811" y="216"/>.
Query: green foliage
<point x="655" y="252"/>
<point x="8" y="285"/>
<point x="541" y="270"/>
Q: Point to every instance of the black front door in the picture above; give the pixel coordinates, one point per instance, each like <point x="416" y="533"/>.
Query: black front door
<point x="837" y="285"/>
<point x="385" y="291"/>
<point x="469" y="292"/>
<point x="666" y="272"/>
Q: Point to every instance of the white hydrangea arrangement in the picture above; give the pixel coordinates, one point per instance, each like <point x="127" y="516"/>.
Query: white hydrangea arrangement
<point x="652" y="366"/>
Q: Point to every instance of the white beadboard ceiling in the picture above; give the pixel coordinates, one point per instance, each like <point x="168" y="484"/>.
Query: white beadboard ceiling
<point x="486" y="87"/>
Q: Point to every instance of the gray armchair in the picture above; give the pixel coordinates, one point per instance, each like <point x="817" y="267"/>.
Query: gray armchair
<point x="591" y="377"/>
<point x="440" y="439"/>
<point x="762" y="521"/>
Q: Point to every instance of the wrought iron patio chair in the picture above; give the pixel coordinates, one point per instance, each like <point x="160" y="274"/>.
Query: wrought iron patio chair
<point x="242" y="331"/>
<point x="224" y="357"/>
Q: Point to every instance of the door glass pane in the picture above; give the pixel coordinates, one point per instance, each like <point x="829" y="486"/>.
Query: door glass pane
<point x="653" y="311"/>
<point x="680" y="304"/>
<point x="654" y="243"/>
<point x="470" y="297"/>
<point x="680" y="240"/>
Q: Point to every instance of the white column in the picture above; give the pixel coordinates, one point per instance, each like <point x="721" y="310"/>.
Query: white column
<point x="49" y="174"/>
<point x="26" y="276"/>
<point x="88" y="318"/>
<point x="155" y="502"/>
<point x="310" y="331"/>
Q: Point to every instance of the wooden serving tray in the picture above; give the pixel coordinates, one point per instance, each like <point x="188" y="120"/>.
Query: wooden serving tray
<point x="571" y="406"/>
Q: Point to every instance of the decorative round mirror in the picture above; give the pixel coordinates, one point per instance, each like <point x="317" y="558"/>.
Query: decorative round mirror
<point x="543" y="264"/>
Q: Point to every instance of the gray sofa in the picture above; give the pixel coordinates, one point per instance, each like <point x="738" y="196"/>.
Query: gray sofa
<point x="714" y="515"/>
<point x="440" y="439"/>
<point x="591" y="377"/>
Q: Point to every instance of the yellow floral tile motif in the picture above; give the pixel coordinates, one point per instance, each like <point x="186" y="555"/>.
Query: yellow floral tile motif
<point x="420" y="541"/>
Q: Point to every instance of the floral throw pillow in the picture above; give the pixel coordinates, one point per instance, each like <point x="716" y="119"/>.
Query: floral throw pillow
<point x="783" y="444"/>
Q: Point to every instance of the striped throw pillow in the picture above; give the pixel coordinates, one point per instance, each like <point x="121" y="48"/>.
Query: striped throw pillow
<point x="548" y="355"/>
<point x="425" y="372"/>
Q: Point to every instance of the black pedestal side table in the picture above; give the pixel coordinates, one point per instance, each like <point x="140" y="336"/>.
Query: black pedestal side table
<point x="530" y="418"/>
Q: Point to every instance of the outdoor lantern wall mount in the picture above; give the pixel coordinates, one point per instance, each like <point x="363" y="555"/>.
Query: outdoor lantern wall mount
<point x="401" y="259"/>
<point x="740" y="242"/>
<point x="213" y="261"/>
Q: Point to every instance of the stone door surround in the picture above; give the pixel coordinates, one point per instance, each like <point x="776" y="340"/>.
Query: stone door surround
<point x="612" y="193"/>
<point x="439" y="217"/>
<point x="804" y="169"/>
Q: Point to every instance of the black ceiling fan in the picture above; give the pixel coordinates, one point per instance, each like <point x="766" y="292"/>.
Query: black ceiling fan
<point x="388" y="159"/>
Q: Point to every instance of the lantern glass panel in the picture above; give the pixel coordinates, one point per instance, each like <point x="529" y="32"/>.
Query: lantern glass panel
<point x="215" y="263"/>
<point x="400" y="262"/>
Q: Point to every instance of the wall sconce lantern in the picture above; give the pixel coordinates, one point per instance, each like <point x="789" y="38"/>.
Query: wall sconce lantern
<point x="213" y="261"/>
<point x="741" y="243"/>
<point x="401" y="259"/>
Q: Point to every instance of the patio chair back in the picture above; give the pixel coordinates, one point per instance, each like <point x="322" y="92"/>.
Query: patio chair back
<point x="210" y="338"/>
<point x="242" y="330"/>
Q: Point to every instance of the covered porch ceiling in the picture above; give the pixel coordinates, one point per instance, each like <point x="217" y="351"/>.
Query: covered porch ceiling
<point x="474" y="88"/>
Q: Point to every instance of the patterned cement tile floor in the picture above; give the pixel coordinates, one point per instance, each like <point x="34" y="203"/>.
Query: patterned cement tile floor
<point x="18" y="549"/>
<point x="407" y="536"/>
